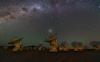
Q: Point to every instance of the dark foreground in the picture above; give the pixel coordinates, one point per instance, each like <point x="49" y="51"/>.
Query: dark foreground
<point x="36" y="56"/>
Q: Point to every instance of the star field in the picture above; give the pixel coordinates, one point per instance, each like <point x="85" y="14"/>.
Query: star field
<point x="72" y="19"/>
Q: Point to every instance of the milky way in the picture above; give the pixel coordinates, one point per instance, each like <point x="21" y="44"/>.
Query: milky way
<point x="72" y="20"/>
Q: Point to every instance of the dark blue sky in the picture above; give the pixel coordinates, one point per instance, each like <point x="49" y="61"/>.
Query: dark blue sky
<point x="77" y="20"/>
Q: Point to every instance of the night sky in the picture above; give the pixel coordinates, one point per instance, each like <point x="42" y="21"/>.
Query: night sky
<point x="72" y="20"/>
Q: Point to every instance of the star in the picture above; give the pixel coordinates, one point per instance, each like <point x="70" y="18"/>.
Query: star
<point x="50" y="30"/>
<point x="99" y="6"/>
